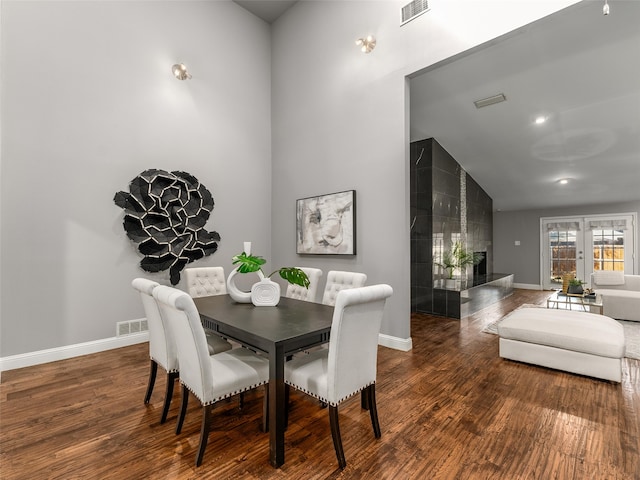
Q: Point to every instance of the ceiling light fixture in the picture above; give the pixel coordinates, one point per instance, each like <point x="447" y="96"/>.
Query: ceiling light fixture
<point x="366" y="44"/>
<point x="180" y="71"/>
<point x="605" y="8"/>
<point x="563" y="181"/>
<point x="540" y="120"/>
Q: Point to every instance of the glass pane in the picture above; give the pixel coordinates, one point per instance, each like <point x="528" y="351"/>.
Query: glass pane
<point x="608" y="250"/>
<point x="562" y="255"/>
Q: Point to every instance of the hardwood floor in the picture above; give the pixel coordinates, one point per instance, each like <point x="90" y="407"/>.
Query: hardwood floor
<point x="449" y="409"/>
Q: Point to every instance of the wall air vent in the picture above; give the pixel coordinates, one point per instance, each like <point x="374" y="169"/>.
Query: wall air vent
<point x="130" y="327"/>
<point x="413" y="10"/>
<point x="485" y="102"/>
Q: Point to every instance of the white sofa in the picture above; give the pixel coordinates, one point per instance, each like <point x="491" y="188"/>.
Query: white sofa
<point x="620" y="294"/>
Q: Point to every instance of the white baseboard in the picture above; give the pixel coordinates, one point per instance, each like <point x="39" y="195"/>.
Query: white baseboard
<point x="69" y="351"/>
<point x="402" y="344"/>
<point x="527" y="286"/>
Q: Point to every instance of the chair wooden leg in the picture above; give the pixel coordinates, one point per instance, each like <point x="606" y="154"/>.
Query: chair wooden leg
<point x="373" y="409"/>
<point x="183" y="409"/>
<point x="265" y="409"/>
<point x="204" y="432"/>
<point x="171" y="380"/>
<point x="364" y="399"/>
<point x="335" y="434"/>
<point x="152" y="381"/>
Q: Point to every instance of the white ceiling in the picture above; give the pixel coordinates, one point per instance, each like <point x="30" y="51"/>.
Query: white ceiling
<point x="579" y="68"/>
<point x="268" y="10"/>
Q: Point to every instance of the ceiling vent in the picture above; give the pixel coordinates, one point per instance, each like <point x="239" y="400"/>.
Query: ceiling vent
<point x="485" y="102"/>
<point x="413" y="10"/>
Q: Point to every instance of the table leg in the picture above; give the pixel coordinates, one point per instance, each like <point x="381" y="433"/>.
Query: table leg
<point x="276" y="407"/>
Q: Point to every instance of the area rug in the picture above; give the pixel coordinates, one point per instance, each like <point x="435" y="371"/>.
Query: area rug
<point x="631" y="332"/>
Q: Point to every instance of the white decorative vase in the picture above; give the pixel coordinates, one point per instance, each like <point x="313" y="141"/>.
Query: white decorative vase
<point x="234" y="292"/>
<point x="265" y="293"/>
<point x="450" y="283"/>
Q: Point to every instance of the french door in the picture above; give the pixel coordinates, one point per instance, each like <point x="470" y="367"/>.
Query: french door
<point x="582" y="245"/>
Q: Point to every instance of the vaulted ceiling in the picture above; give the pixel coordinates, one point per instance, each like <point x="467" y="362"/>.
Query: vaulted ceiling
<point x="268" y="10"/>
<point x="579" y="70"/>
<point x="576" y="68"/>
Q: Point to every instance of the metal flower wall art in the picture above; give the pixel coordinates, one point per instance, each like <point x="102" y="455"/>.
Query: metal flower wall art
<point x="165" y="215"/>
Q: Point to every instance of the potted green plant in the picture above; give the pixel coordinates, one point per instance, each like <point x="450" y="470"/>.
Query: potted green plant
<point x="458" y="258"/>
<point x="575" y="287"/>
<point x="265" y="292"/>
<point x="252" y="263"/>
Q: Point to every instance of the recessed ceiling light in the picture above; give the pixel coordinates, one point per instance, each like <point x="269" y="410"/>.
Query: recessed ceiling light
<point x="540" y="120"/>
<point x="563" y="181"/>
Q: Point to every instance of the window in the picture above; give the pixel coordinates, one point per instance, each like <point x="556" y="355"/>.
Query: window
<point x="608" y="250"/>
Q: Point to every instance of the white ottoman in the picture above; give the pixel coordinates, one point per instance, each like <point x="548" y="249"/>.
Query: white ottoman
<point x="577" y="342"/>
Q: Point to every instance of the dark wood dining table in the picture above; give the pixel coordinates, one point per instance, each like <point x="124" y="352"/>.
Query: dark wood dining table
<point x="280" y="331"/>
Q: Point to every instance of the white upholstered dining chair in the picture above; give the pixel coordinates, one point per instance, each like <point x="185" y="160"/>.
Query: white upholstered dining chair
<point x="337" y="281"/>
<point x="162" y="348"/>
<point x="205" y="281"/>
<point x="349" y="365"/>
<point x="209" y="378"/>
<point x="307" y="294"/>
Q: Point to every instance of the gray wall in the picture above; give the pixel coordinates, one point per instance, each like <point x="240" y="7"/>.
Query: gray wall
<point x="88" y="102"/>
<point x="524" y="225"/>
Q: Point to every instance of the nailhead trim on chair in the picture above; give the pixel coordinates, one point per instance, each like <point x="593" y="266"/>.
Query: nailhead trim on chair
<point x="324" y="400"/>
<point x="217" y="399"/>
<point x="173" y="370"/>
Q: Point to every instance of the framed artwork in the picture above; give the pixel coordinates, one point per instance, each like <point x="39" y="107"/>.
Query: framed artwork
<point x="326" y="224"/>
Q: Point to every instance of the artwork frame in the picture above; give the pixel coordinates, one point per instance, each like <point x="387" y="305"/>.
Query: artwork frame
<point x="326" y="224"/>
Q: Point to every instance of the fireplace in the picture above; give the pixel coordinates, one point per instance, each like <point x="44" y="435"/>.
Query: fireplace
<point x="480" y="268"/>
